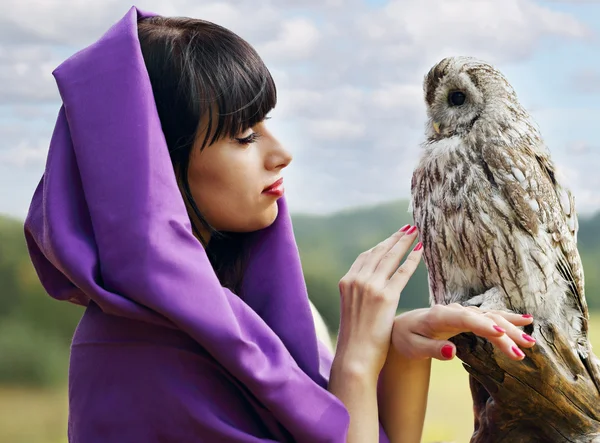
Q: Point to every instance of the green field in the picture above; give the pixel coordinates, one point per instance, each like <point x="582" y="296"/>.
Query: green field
<point x="36" y="416"/>
<point x="34" y="343"/>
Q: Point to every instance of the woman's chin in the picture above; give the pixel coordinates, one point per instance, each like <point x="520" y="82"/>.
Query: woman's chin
<point x="262" y="221"/>
<point x="270" y="215"/>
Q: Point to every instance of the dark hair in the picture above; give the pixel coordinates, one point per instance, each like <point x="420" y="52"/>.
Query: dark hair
<point x="202" y="71"/>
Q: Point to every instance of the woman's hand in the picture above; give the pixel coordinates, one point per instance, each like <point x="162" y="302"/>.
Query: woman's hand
<point x="370" y="292"/>
<point x="369" y="295"/>
<point x="424" y="333"/>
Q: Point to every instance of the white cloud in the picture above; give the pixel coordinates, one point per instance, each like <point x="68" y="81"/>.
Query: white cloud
<point x="311" y="4"/>
<point x="26" y="74"/>
<point x="424" y="31"/>
<point x="60" y="21"/>
<point x="348" y="74"/>
<point x="25" y="153"/>
<point x="295" y="102"/>
<point x="297" y="39"/>
<point x="399" y="96"/>
<point x="322" y="129"/>
<point x="587" y="2"/>
<point x="570" y="136"/>
<point x="579" y="147"/>
<point x="583" y="186"/>
<point x="586" y="80"/>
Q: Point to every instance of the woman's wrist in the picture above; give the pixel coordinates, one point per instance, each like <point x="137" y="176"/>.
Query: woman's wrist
<point x="354" y="364"/>
<point x="355" y="384"/>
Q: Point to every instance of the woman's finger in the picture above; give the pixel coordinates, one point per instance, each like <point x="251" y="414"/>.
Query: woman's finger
<point x="390" y="261"/>
<point x="514" y="332"/>
<point x="374" y="255"/>
<point x="364" y="256"/>
<point x="417" y="347"/>
<point x="439" y="349"/>
<point x="446" y="321"/>
<point x="400" y="278"/>
<point x="451" y="321"/>
<point x="508" y="346"/>
<point x="515" y="319"/>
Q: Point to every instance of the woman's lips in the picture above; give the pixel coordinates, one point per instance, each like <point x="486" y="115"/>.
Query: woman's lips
<point x="275" y="189"/>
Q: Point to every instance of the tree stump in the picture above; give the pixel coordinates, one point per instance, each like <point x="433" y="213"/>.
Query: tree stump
<point x="546" y="397"/>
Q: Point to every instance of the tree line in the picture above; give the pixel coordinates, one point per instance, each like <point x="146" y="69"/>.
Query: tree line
<point x="35" y="330"/>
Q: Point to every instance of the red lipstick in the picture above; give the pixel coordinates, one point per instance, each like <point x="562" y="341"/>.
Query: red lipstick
<point x="275" y="189"/>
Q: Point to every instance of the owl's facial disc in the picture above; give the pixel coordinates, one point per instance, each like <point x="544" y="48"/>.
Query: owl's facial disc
<point x="456" y="98"/>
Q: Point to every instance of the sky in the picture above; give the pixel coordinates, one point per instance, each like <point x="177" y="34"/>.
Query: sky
<point x="349" y="77"/>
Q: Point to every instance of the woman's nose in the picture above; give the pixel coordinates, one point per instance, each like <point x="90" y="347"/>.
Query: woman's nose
<point x="279" y="157"/>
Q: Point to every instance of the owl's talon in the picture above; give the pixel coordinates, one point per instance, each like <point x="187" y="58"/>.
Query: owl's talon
<point x="490" y="300"/>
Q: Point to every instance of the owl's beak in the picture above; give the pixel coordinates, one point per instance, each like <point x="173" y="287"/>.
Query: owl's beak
<point x="436" y="127"/>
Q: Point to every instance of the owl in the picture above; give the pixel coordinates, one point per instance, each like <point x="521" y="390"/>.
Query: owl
<point x="499" y="229"/>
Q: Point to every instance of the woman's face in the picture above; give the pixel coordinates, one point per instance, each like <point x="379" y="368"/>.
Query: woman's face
<point x="232" y="180"/>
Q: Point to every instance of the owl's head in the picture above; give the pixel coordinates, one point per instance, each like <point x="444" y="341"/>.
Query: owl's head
<point x="459" y="91"/>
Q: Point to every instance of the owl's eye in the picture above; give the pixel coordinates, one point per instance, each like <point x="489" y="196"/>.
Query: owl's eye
<point x="456" y="98"/>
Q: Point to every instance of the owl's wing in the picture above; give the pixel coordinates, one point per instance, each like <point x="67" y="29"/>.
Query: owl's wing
<point x="420" y="188"/>
<point x="526" y="176"/>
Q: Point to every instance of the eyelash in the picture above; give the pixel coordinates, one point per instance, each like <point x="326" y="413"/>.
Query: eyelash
<point x="250" y="139"/>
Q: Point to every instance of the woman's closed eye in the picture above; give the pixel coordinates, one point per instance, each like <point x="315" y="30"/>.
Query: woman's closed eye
<point x="248" y="139"/>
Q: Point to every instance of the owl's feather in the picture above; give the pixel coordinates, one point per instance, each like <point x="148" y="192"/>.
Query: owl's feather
<point x="493" y="216"/>
<point x="528" y="180"/>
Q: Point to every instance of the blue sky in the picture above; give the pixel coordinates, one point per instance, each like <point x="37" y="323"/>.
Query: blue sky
<point x="349" y="78"/>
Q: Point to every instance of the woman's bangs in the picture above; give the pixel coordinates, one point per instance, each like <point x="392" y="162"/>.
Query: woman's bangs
<point x="245" y="100"/>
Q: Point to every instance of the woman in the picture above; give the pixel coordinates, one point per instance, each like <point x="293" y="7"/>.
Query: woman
<point x="161" y="211"/>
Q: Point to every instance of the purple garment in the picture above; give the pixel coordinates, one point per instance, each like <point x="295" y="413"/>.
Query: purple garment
<point x="163" y="352"/>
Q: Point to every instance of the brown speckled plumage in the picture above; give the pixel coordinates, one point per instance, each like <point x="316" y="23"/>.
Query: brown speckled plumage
<point x="498" y="227"/>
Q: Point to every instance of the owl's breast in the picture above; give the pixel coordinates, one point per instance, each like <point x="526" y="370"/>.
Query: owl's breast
<point x="471" y="237"/>
<point x="451" y="178"/>
<point x="450" y="192"/>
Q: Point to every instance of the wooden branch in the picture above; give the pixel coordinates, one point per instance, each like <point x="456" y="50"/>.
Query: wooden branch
<point x="547" y="397"/>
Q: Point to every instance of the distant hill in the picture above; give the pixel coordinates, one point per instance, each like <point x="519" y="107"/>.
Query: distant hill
<point x="35" y="330"/>
<point x="329" y="244"/>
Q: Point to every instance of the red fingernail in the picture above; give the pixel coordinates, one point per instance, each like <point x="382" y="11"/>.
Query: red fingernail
<point x="499" y="329"/>
<point x="528" y="338"/>
<point x="527" y="316"/>
<point x="404" y="228"/>
<point x="447" y="351"/>
<point x="419" y="246"/>
<point x="517" y="352"/>
<point x="411" y="230"/>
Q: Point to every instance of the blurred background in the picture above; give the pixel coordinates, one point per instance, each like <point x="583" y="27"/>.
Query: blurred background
<point x="350" y="109"/>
